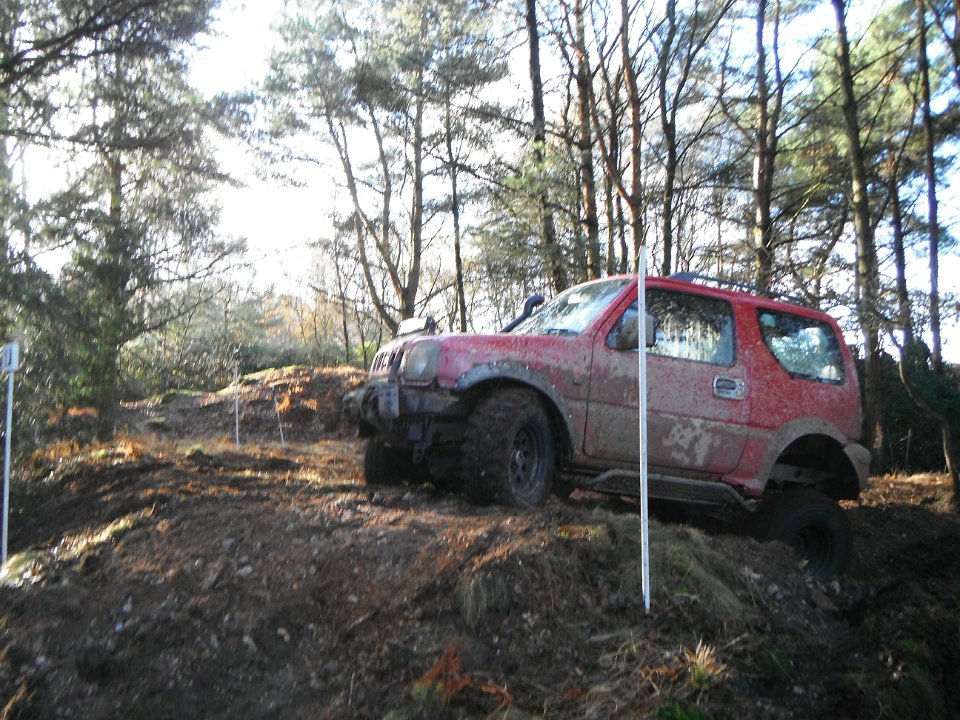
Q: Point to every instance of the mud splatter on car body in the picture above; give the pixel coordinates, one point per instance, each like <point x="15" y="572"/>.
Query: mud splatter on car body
<point x="749" y="397"/>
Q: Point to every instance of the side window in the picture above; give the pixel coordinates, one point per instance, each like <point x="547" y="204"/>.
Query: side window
<point x="689" y="327"/>
<point x="804" y="347"/>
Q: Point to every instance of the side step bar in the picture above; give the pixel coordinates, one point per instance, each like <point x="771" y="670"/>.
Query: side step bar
<point x="665" y="487"/>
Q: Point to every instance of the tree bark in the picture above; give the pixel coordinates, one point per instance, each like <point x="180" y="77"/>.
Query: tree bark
<point x="363" y="227"/>
<point x="612" y="153"/>
<point x="933" y="226"/>
<point x="452" y="171"/>
<point x="668" y="125"/>
<point x="336" y="251"/>
<point x="589" y="222"/>
<point x="613" y="229"/>
<point x="946" y="437"/>
<point x="765" y="147"/>
<point x="868" y="283"/>
<point x="633" y="197"/>
<point x="904" y="319"/>
<point x="112" y="277"/>
<point x="8" y="23"/>
<point x="677" y="55"/>
<point x="408" y="306"/>
<point x="551" y="250"/>
<point x="952" y="38"/>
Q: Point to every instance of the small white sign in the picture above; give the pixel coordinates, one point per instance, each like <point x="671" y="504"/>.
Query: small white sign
<point x="10" y="361"/>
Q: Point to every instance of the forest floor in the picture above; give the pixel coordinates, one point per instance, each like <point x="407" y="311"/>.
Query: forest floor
<point x="173" y="575"/>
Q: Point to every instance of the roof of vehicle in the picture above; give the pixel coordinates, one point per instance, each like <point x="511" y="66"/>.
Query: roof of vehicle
<point x="744" y="294"/>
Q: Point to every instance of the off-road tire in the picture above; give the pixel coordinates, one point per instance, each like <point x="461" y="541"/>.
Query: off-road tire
<point x="816" y="528"/>
<point x="384" y="465"/>
<point x="446" y="477"/>
<point x="508" y="454"/>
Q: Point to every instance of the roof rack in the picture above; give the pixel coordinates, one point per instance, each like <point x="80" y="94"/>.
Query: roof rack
<point x="743" y="287"/>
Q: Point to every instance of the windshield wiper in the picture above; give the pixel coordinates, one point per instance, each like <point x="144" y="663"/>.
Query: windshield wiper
<point x="559" y="331"/>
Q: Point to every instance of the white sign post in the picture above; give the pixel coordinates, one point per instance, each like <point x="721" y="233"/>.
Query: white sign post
<point x="642" y="374"/>
<point x="9" y="362"/>
<point x="236" y="397"/>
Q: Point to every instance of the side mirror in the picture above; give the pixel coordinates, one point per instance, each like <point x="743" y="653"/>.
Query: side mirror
<point x="628" y="337"/>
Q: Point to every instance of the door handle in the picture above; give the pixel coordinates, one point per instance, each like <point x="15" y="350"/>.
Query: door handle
<point x="729" y="388"/>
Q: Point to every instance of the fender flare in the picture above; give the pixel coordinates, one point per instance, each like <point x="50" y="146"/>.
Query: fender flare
<point x="523" y="375"/>
<point x="857" y="456"/>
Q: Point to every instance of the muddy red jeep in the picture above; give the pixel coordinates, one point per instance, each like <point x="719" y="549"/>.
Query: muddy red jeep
<point x="753" y="407"/>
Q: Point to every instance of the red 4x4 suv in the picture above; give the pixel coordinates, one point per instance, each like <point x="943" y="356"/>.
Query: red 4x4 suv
<point x="753" y="405"/>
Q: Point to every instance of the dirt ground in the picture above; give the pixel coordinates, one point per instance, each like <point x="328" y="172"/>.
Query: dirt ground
<point x="172" y="575"/>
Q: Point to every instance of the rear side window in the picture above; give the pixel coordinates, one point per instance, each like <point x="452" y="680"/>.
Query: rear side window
<point x="804" y="347"/>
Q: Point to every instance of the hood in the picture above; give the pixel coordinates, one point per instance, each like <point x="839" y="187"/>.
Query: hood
<point x="450" y="356"/>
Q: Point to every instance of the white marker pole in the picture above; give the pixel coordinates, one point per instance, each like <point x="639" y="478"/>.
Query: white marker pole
<point x="276" y="409"/>
<point x="642" y="375"/>
<point x="9" y="365"/>
<point x="236" y="403"/>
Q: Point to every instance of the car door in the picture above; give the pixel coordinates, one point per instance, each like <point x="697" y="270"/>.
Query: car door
<point x="697" y="391"/>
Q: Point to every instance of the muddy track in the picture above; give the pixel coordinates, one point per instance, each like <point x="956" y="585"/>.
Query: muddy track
<point x="162" y="580"/>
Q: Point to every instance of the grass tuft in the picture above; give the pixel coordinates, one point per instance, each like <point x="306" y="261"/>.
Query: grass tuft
<point x="482" y="591"/>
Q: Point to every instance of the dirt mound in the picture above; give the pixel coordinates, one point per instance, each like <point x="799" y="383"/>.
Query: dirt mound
<point x="163" y="579"/>
<point x="293" y="404"/>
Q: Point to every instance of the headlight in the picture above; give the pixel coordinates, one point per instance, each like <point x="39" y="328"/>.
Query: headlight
<point x="420" y="362"/>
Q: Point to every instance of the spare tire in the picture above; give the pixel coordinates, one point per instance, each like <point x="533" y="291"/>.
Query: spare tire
<point x="814" y="526"/>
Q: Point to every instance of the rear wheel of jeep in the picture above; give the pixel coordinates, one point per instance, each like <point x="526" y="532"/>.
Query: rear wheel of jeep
<point x="384" y="465"/>
<point x="508" y="454"/>
<point x="816" y="528"/>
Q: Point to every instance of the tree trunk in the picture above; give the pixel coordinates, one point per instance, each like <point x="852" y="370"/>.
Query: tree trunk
<point x="609" y="211"/>
<point x="765" y="148"/>
<point x="904" y="319"/>
<point x="363" y="227"/>
<point x="335" y="249"/>
<point x="933" y="226"/>
<point x="634" y="197"/>
<point x="590" y="223"/>
<point x="8" y="23"/>
<point x="408" y="305"/>
<point x="868" y="284"/>
<point x="364" y="354"/>
<point x="111" y="281"/>
<point x="952" y="38"/>
<point x="668" y="124"/>
<point x="453" y="172"/>
<point x="551" y="250"/>
<point x="946" y="437"/>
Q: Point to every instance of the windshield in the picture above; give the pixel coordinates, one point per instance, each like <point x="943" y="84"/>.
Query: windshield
<point x="570" y="312"/>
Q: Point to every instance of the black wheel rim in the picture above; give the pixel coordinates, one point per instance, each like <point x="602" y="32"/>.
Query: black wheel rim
<point x="527" y="460"/>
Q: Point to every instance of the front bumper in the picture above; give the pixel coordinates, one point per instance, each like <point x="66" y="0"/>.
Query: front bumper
<point x="412" y="417"/>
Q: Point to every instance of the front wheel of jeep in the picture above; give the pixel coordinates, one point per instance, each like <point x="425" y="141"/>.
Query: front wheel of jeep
<point x="384" y="465"/>
<point x="508" y="453"/>
<point x="814" y="526"/>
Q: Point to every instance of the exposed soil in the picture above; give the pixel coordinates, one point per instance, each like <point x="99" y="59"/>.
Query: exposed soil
<point x="176" y="576"/>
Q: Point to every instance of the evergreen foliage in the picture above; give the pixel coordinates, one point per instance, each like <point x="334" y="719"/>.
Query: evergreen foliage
<point x="715" y="133"/>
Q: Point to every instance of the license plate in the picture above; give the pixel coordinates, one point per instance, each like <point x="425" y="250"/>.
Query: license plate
<point x="388" y="401"/>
